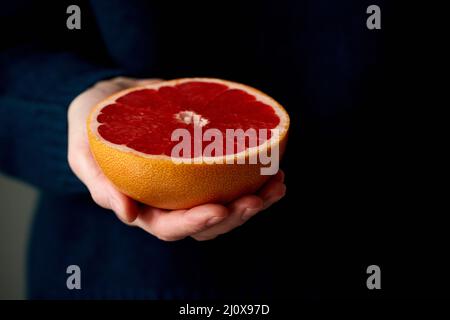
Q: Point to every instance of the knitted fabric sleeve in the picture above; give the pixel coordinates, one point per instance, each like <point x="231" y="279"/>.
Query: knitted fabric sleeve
<point x="36" y="88"/>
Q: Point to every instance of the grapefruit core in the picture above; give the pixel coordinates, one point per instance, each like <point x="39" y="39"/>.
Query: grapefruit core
<point x="130" y="135"/>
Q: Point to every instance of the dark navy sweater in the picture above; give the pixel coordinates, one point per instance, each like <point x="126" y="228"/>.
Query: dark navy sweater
<point x="311" y="55"/>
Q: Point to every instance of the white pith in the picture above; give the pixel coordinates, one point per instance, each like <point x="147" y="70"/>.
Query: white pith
<point x="188" y="117"/>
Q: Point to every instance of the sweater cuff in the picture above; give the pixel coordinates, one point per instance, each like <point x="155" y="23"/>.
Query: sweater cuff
<point x="33" y="135"/>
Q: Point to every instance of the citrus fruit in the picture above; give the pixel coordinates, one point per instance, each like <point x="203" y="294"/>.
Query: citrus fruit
<point x="131" y="138"/>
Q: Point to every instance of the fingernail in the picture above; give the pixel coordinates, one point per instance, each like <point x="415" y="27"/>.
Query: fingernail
<point x="249" y="212"/>
<point x="213" y="221"/>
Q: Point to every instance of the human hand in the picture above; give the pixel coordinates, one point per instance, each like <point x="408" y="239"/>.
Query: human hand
<point x="203" y="222"/>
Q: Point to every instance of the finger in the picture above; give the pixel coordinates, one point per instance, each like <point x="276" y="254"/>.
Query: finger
<point x="272" y="191"/>
<point x="280" y="176"/>
<point x="127" y="82"/>
<point x="178" y="224"/>
<point x="106" y="88"/>
<point x="126" y="209"/>
<point x="144" y="82"/>
<point x="240" y="211"/>
<point x="245" y="207"/>
<point x="101" y="189"/>
<point x="103" y="89"/>
<point x="80" y="157"/>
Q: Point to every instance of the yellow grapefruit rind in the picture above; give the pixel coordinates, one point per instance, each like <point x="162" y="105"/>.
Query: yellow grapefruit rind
<point x="157" y="181"/>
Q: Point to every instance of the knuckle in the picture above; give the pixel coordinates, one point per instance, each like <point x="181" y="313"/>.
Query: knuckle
<point x="222" y="211"/>
<point x="73" y="164"/>
<point x="120" y="79"/>
<point x="195" y="222"/>
<point x="98" y="200"/>
<point x="104" y="84"/>
<point x="70" y="109"/>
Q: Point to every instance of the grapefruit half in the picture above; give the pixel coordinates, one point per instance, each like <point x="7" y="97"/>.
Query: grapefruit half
<point x="130" y="136"/>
